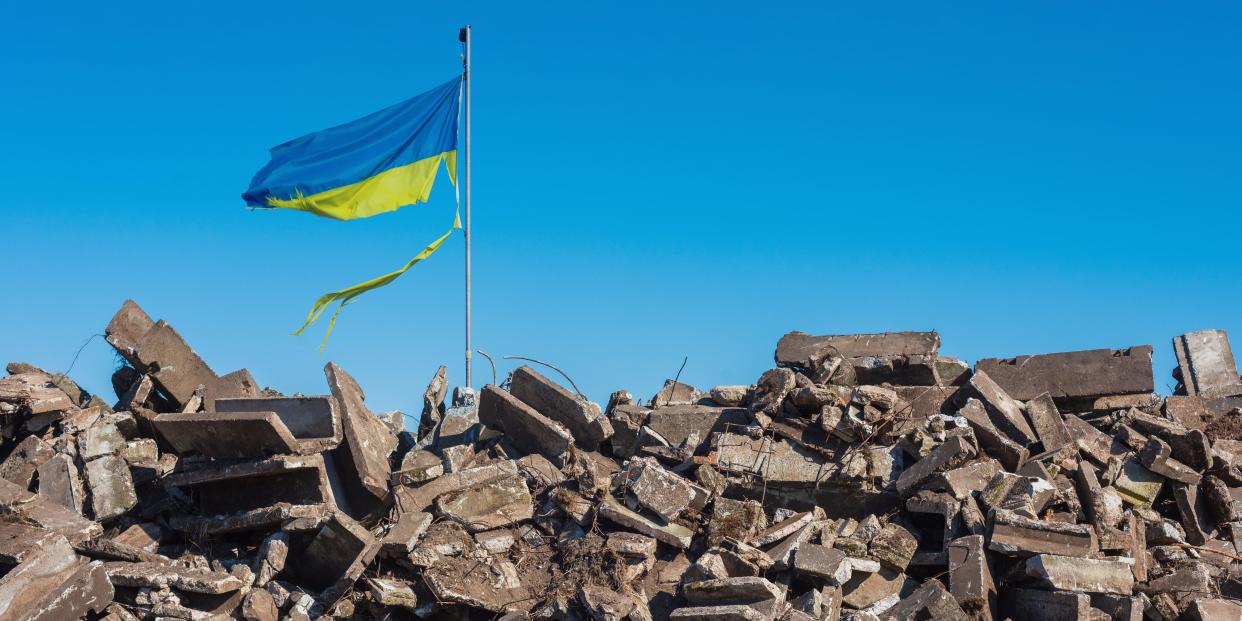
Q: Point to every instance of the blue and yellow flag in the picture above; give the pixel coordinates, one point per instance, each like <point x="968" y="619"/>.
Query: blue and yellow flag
<point x="378" y="163"/>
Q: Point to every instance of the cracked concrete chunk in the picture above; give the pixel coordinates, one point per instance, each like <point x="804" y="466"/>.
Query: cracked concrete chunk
<point x="112" y="487"/>
<point x="491" y="504"/>
<point x="529" y="430"/>
<point x="1207" y="364"/>
<point x="363" y="454"/>
<point x="823" y="562"/>
<point x="675" y="393"/>
<point x="1003" y="410"/>
<point x="314" y="421"/>
<point x="227" y="434"/>
<point x="1067" y="376"/>
<point x="657" y="489"/>
<point x="163" y="576"/>
<point x="902" y="358"/>
<point x="674" y="534"/>
<point x="582" y="418"/>
<point x="952" y="453"/>
<point x="1082" y="574"/>
<point x="335" y="557"/>
<point x="99" y="440"/>
<point x="21" y="464"/>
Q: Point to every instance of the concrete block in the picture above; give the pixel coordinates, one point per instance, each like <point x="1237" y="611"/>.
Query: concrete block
<point x="899" y="358"/>
<point x="227" y="434"/>
<point x="994" y="442"/>
<point x="970" y="577"/>
<point x="1015" y="535"/>
<point x="674" y="535"/>
<point x="315" y="422"/>
<point x="60" y="482"/>
<point x="1067" y="376"/>
<point x="657" y="489"/>
<point x="1207" y="364"/>
<point x="950" y="454"/>
<point x="583" y="419"/>
<point x="492" y="504"/>
<point x="1048" y="423"/>
<point x="362" y="457"/>
<point x="1081" y="574"/>
<point x="335" y="557"/>
<point x="1005" y="412"/>
<point x="112" y="487"/>
<point x="526" y="428"/>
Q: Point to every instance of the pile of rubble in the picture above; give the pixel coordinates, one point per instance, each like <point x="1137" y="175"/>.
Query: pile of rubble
<point x="865" y="477"/>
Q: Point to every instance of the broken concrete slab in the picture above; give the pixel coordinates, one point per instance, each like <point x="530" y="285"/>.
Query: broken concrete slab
<point x="362" y="457"/>
<point x="952" y="453"/>
<point x="582" y="418"/>
<point x="1048" y="423"/>
<point x="970" y="577"/>
<point x="1082" y="574"/>
<point x="1005" y="412"/>
<point x="112" y="487"/>
<point x="758" y="593"/>
<point x="1013" y="534"/>
<point x="1207" y="364"/>
<point x="162" y="354"/>
<point x="227" y="434"/>
<point x="335" y="557"/>
<point x="1075" y="375"/>
<point x="735" y="612"/>
<point x="315" y="422"/>
<point x="422" y="497"/>
<point x="672" y="534"/>
<point x="248" y="495"/>
<point x="992" y="440"/>
<point x="36" y="580"/>
<point x="60" y="482"/>
<point x="166" y="575"/>
<point x="45" y="513"/>
<point x="491" y="504"/>
<point x="657" y="489"/>
<point x="529" y="430"/>
<point x="901" y="358"/>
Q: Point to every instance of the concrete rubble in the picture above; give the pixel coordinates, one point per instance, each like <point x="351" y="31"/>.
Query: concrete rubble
<point x="864" y="478"/>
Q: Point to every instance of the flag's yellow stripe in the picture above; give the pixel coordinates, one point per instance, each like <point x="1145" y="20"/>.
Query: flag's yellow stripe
<point x="387" y="191"/>
<point x="345" y="296"/>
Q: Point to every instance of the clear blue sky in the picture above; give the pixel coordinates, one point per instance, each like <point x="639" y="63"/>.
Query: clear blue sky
<point x="653" y="181"/>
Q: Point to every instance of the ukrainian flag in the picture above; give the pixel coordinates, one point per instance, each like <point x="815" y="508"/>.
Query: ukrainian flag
<point x="378" y="163"/>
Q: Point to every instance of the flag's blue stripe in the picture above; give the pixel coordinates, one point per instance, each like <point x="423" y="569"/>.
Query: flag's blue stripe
<point x="412" y="130"/>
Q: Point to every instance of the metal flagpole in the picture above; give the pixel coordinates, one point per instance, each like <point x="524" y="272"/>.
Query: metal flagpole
<point x="464" y="37"/>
